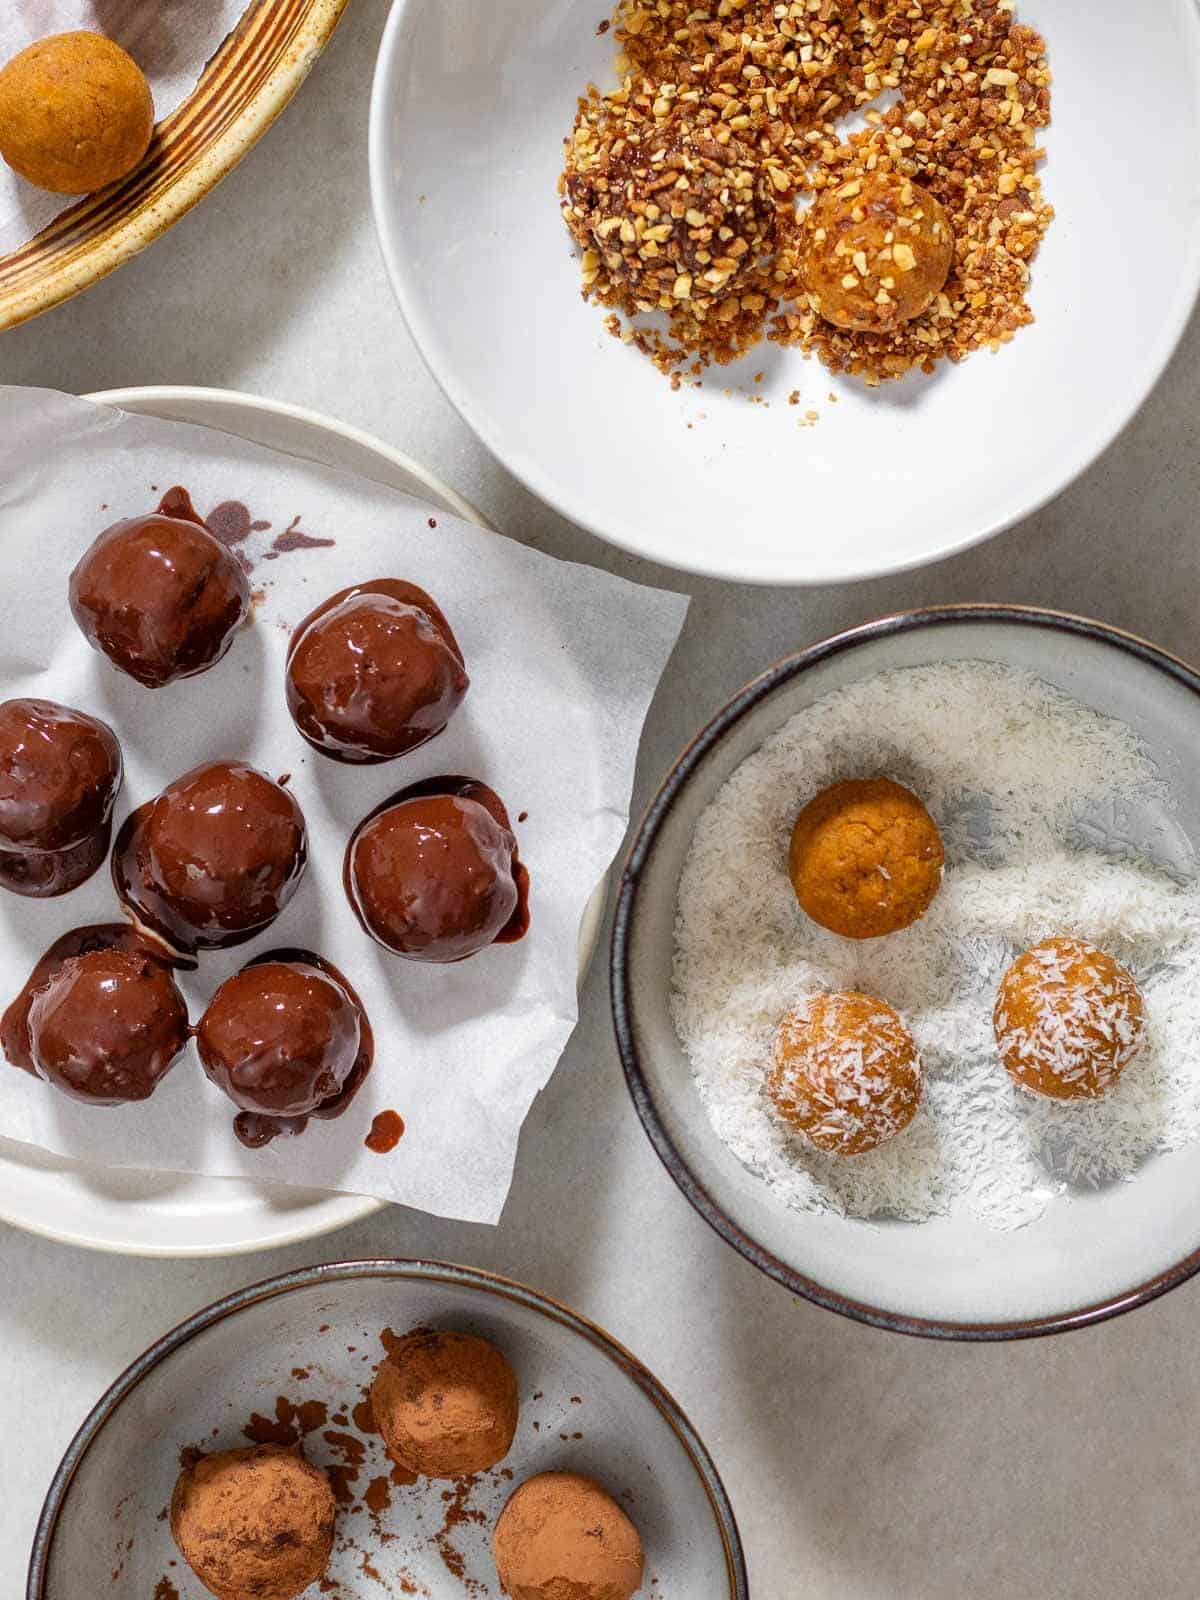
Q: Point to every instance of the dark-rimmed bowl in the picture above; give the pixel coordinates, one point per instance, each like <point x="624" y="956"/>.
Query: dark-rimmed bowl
<point x="1086" y="1259"/>
<point x="236" y="1356"/>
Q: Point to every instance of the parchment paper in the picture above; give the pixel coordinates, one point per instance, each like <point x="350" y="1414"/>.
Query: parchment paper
<point x="563" y="660"/>
<point x="170" y="40"/>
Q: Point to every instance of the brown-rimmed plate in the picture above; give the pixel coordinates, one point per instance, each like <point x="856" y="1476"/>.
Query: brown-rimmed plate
<point x="1088" y="1257"/>
<point x="243" y="88"/>
<point x="587" y="1405"/>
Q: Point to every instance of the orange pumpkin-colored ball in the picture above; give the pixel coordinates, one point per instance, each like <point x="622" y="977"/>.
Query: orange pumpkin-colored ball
<point x="76" y="113"/>
<point x="1069" y="1020"/>
<point x="866" y="858"/>
<point x="875" y="252"/>
<point x="845" y="1073"/>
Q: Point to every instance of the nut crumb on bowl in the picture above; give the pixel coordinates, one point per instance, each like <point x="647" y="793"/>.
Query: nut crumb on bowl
<point x="736" y="104"/>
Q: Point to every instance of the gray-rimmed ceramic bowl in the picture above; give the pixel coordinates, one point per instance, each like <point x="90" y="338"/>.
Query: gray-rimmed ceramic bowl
<point x="1086" y="1259"/>
<point x="199" y="1383"/>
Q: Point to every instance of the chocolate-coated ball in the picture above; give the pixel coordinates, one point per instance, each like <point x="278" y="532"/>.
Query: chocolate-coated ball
<point x="214" y="859"/>
<point x="107" y="1026"/>
<point x="434" y="875"/>
<point x="160" y="597"/>
<point x="60" y="772"/>
<point x="286" y="1038"/>
<point x="374" y="672"/>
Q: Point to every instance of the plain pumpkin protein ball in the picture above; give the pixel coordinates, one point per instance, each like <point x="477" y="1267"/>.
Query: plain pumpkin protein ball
<point x="875" y="252"/>
<point x="446" y="1403"/>
<point x="1069" y="1019"/>
<point x="865" y="858"/>
<point x="845" y="1073"/>
<point x="76" y="113"/>
<point x="563" y="1537"/>
<point x="255" y="1523"/>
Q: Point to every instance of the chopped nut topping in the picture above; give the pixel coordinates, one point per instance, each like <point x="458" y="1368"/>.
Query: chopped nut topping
<point x="681" y="184"/>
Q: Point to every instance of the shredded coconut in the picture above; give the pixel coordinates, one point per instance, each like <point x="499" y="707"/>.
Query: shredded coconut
<point x="1056" y="822"/>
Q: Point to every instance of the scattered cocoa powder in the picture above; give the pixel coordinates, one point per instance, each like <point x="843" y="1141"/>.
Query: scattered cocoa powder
<point x="290" y="1424"/>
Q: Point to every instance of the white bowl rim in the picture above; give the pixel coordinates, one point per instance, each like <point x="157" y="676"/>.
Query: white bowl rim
<point x="427" y="1271"/>
<point x="640" y="1088"/>
<point x="625" y="535"/>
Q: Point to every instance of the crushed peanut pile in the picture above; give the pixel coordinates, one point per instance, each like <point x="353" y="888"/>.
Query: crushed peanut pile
<point x="683" y="186"/>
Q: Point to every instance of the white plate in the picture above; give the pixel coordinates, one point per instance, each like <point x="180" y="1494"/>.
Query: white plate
<point x="1087" y="1257"/>
<point x="174" y="1214"/>
<point x="586" y="1405"/>
<point x="470" y="107"/>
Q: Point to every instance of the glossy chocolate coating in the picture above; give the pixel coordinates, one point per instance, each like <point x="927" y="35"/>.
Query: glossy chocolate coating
<point x="101" y="1018"/>
<point x="159" y="595"/>
<point x="285" y="1038"/>
<point x="374" y="672"/>
<point x="433" y="873"/>
<point x="214" y="859"/>
<point x="60" y="773"/>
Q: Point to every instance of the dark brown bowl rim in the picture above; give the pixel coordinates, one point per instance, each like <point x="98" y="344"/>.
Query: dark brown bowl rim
<point x="403" y="1268"/>
<point x="677" y="779"/>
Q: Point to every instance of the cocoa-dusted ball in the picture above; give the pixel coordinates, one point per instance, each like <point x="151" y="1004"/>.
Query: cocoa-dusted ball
<point x="60" y="772"/>
<point x="214" y="859"/>
<point x="76" y="112"/>
<point x="865" y="858"/>
<point x="434" y="875"/>
<point x="845" y="1073"/>
<point x="254" y="1524"/>
<point x="562" y="1537"/>
<point x="374" y="672"/>
<point x="160" y="597"/>
<point x="445" y="1404"/>
<point x="107" y="1026"/>
<point x="1069" y="1020"/>
<point x="875" y="252"/>
<point x="285" y="1038"/>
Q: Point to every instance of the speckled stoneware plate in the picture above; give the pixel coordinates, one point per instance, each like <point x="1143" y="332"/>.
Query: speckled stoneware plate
<point x="180" y="1214"/>
<point x="1089" y="1256"/>
<point x="241" y="91"/>
<point x="587" y="1406"/>
<point x="470" y="108"/>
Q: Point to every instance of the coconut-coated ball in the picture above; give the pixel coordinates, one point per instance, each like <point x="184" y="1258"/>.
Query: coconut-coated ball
<point x="845" y="1073"/>
<point x="1069" y="1020"/>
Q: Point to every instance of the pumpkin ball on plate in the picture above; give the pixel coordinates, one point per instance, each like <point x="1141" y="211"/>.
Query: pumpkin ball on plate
<point x="563" y="1537"/>
<point x="845" y="1073"/>
<point x="875" y="252"/>
<point x="254" y="1522"/>
<point x="445" y="1403"/>
<point x="866" y="858"/>
<point x="1069" y="1020"/>
<point x="76" y="113"/>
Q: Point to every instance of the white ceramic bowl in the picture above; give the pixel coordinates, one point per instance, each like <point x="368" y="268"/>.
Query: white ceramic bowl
<point x="1088" y="1257"/>
<point x="180" y="1214"/>
<point x="471" y="104"/>
<point x="100" y="1531"/>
